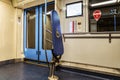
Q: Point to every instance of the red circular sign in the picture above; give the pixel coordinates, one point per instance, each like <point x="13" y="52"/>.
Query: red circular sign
<point x="97" y="14"/>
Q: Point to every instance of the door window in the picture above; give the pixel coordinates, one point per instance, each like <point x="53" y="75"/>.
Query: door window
<point x="31" y="16"/>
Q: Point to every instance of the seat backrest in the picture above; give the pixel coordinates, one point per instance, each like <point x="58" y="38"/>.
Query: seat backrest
<point x="58" y="48"/>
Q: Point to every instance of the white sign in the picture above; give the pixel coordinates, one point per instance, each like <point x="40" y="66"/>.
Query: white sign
<point x="74" y="9"/>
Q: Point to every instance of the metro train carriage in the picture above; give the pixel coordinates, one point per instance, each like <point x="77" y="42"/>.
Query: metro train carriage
<point x="60" y="40"/>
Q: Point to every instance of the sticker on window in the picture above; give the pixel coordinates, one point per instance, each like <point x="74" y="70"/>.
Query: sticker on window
<point x="97" y="14"/>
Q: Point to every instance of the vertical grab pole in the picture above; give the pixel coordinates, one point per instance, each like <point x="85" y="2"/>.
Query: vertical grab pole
<point x="45" y="21"/>
<point x="52" y="68"/>
<point x="45" y="12"/>
<point x="115" y="23"/>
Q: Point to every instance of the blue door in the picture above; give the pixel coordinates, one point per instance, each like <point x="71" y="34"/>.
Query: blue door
<point x="33" y="33"/>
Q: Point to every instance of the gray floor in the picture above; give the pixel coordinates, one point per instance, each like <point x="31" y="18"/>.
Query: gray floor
<point x="23" y="71"/>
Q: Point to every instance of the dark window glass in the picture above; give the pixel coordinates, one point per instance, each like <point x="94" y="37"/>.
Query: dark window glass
<point x="109" y="21"/>
<point x="31" y="16"/>
<point x="118" y="23"/>
<point x="47" y="37"/>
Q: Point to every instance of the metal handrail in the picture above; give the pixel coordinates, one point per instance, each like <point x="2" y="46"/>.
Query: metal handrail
<point x="112" y="32"/>
<point x="67" y="35"/>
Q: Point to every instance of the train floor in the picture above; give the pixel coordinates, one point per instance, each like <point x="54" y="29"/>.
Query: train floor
<point x="24" y="71"/>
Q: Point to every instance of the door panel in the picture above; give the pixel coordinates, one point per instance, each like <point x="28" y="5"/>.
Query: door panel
<point x="41" y="27"/>
<point x="31" y="33"/>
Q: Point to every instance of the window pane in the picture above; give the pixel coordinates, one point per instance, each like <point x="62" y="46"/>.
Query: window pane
<point x="106" y="24"/>
<point x="109" y="21"/>
<point x="31" y="28"/>
<point x="47" y="35"/>
<point x="118" y="22"/>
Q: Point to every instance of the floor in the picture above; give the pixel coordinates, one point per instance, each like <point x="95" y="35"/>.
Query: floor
<point x="24" y="71"/>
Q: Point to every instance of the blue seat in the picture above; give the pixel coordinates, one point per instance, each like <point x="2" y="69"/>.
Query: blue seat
<point x="58" y="48"/>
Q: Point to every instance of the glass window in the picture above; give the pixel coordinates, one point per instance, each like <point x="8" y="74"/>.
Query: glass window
<point x="47" y="30"/>
<point x="31" y="16"/>
<point x="109" y="20"/>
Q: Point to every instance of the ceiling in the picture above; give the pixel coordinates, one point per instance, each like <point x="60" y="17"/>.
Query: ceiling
<point x="27" y="3"/>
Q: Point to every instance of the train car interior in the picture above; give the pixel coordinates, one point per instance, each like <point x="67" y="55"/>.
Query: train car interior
<point x="59" y="39"/>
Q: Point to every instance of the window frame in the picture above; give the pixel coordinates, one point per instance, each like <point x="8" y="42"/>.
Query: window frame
<point x="71" y="4"/>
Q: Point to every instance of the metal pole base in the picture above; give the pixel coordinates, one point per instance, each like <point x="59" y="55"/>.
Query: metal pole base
<point x="53" y="78"/>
